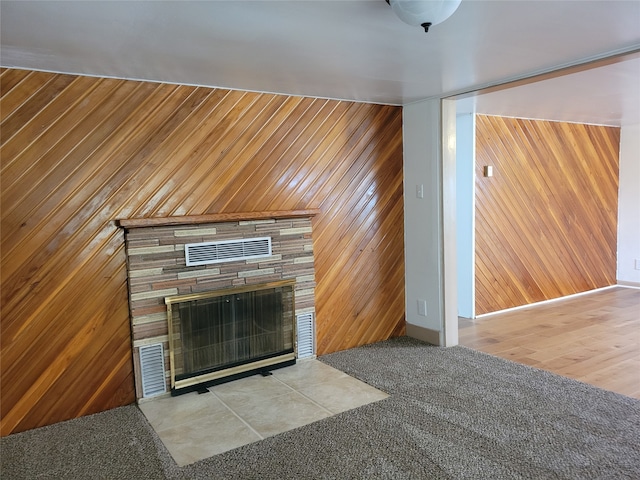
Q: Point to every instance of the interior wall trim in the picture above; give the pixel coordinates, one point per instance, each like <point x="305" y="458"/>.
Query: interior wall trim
<point x="424" y="334"/>
<point x="552" y="300"/>
<point x="213" y="218"/>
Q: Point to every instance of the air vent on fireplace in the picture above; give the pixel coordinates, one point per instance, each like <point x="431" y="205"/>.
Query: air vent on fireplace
<point x="227" y="250"/>
<point x="152" y="370"/>
<point x="305" y="331"/>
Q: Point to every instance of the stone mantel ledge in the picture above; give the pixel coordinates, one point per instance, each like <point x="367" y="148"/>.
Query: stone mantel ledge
<point x="129" y="223"/>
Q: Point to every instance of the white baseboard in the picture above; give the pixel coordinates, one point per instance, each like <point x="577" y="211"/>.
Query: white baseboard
<point x="421" y="333"/>
<point x="547" y="301"/>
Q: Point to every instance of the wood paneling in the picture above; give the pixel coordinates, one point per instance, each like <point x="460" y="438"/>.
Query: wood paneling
<point x="546" y="222"/>
<point x="77" y="153"/>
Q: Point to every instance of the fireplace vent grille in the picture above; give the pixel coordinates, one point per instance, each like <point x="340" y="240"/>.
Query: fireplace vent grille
<point x="227" y="250"/>
<point x="152" y="370"/>
<point x="305" y="332"/>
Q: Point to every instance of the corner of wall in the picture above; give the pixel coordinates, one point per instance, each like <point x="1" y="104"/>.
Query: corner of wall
<point x="628" y="268"/>
<point x="425" y="279"/>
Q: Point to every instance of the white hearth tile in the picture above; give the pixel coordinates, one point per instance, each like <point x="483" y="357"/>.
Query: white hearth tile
<point x="307" y="372"/>
<point x="279" y="414"/>
<point x="171" y="411"/>
<point x="196" y="426"/>
<point x="249" y="388"/>
<point x="342" y="394"/>
<point x="206" y="437"/>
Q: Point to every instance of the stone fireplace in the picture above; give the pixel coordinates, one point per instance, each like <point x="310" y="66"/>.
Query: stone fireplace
<point x="161" y="283"/>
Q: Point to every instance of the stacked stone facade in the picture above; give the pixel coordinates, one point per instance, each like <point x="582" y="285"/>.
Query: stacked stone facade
<point x="157" y="269"/>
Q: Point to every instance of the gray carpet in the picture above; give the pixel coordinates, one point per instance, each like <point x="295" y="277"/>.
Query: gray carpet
<point x="452" y="414"/>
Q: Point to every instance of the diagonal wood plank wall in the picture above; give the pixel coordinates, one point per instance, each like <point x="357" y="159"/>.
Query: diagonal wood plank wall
<point x="546" y="222"/>
<point x="78" y="153"/>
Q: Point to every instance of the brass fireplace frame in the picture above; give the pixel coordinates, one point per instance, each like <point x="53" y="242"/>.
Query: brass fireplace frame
<point x="235" y="371"/>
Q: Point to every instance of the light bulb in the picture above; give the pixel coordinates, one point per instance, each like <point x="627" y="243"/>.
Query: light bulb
<point x="424" y="12"/>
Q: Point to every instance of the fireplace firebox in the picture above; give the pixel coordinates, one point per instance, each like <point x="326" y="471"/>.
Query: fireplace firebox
<point x="221" y="335"/>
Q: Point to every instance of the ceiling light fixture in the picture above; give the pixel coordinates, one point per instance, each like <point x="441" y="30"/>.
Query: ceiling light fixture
<point x="424" y="12"/>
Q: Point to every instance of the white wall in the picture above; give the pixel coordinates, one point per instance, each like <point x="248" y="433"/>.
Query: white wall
<point x="465" y="213"/>
<point x="629" y="206"/>
<point x="425" y="252"/>
<point x="421" y="127"/>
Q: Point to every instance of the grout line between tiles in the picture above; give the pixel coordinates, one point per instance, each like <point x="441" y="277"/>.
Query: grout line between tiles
<point x="289" y="388"/>
<point x="238" y="416"/>
<point x="309" y="398"/>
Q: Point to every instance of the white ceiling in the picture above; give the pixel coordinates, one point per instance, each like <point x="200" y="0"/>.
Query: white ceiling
<point x="601" y="95"/>
<point x="352" y="50"/>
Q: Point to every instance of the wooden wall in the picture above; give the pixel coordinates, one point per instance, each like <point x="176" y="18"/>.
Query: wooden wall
<point x="78" y="153"/>
<point x="546" y="222"/>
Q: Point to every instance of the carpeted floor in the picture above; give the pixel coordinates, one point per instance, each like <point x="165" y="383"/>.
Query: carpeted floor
<point x="452" y="414"/>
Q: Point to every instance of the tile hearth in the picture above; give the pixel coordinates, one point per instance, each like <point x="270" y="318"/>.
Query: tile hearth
<point x="196" y="426"/>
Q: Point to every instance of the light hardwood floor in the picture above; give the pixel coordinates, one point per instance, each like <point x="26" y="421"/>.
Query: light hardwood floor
<point x="594" y="338"/>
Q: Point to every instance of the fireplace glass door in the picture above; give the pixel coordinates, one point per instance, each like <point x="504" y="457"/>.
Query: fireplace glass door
<point x="230" y="331"/>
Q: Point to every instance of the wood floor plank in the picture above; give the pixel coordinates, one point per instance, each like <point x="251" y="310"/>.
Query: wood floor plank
<point x="593" y="338"/>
